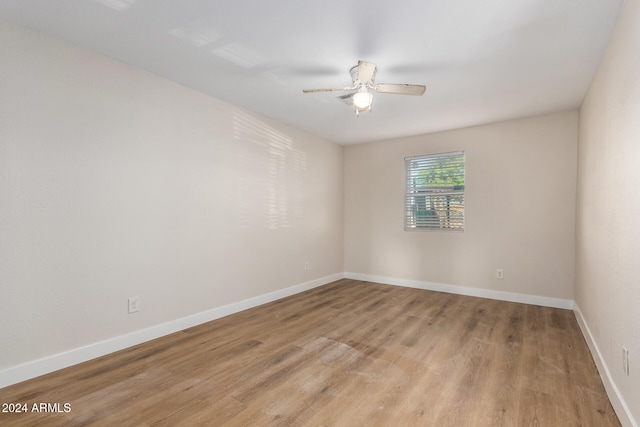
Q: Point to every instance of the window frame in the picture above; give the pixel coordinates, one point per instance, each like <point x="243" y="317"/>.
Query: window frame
<point x="446" y="198"/>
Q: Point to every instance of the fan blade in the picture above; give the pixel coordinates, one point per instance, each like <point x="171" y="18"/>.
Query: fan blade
<point x="347" y="99"/>
<point x="335" y="89"/>
<point x="401" y="89"/>
<point x="366" y="71"/>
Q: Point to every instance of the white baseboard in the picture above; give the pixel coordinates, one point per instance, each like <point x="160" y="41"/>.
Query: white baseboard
<point x="463" y="290"/>
<point x="58" y="361"/>
<point x="617" y="401"/>
<point x="55" y="362"/>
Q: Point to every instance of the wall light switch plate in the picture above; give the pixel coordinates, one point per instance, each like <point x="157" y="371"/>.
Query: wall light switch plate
<point x="625" y="360"/>
<point x="134" y="305"/>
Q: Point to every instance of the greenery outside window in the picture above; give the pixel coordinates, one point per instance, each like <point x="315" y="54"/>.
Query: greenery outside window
<point x="434" y="197"/>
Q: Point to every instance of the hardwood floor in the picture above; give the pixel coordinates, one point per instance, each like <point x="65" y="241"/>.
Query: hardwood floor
<point x="349" y="353"/>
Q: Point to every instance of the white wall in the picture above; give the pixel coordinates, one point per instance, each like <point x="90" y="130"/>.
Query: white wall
<point x="117" y="183"/>
<point x="608" y="207"/>
<point x="519" y="209"/>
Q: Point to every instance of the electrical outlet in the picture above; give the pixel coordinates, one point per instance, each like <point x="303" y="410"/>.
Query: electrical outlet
<point x="306" y="265"/>
<point x="134" y="305"/>
<point x="625" y="360"/>
<point x="499" y="273"/>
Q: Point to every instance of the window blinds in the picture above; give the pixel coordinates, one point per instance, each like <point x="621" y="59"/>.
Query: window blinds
<point x="434" y="198"/>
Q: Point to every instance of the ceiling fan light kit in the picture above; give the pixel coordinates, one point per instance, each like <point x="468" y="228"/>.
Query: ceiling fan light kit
<point x="363" y="78"/>
<point x="362" y="100"/>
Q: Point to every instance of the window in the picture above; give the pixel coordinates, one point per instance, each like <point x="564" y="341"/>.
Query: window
<point x="434" y="198"/>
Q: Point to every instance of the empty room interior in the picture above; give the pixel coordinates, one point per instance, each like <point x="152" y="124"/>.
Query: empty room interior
<point x="320" y="213"/>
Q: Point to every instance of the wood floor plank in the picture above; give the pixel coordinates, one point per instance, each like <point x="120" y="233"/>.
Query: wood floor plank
<point x="349" y="353"/>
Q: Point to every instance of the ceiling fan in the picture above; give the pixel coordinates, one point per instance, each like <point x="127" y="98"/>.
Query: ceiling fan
<point x="363" y="76"/>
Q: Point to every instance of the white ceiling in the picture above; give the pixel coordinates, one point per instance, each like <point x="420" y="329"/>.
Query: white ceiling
<point x="481" y="61"/>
